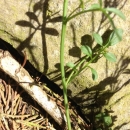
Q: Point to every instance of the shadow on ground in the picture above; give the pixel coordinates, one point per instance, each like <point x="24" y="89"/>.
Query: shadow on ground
<point x="94" y="98"/>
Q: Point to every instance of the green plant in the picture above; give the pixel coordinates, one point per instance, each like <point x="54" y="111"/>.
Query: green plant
<point x="90" y="55"/>
<point x="103" y="120"/>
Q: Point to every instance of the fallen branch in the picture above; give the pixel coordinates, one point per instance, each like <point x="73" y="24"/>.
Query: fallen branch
<point x="11" y="67"/>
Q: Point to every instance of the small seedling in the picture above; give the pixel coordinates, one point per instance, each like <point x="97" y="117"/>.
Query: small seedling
<point x="90" y="55"/>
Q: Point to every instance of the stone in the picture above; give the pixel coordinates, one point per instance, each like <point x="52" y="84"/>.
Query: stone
<point x="35" y="27"/>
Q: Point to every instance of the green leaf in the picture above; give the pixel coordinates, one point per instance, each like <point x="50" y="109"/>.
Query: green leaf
<point x="107" y="120"/>
<point x="98" y="38"/>
<point x="94" y="74"/>
<point x="99" y="116"/>
<point x="117" y="12"/>
<point x="110" y="57"/>
<point x="86" y="50"/>
<point x="94" y="7"/>
<point x="115" y="37"/>
<point x="70" y="64"/>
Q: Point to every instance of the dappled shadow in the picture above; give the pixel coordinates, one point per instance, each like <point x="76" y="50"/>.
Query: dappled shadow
<point x="76" y="52"/>
<point x="110" y="3"/>
<point x="34" y="25"/>
<point x="94" y="98"/>
<point x="104" y="22"/>
<point x="86" y="39"/>
<point x="122" y="126"/>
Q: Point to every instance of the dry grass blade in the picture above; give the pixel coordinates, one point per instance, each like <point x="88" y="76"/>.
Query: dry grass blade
<point x="16" y="114"/>
<point x="48" y="100"/>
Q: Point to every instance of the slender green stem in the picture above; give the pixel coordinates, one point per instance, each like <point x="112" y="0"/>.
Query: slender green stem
<point x="79" y="71"/>
<point x="77" y="8"/>
<point x="64" y="22"/>
<point x="109" y="18"/>
<point x="74" y="70"/>
<point x="73" y="11"/>
<point x="82" y="12"/>
<point x="73" y="75"/>
<point x="92" y="10"/>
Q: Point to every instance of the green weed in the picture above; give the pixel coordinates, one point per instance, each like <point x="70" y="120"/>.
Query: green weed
<point x="90" y="55"/>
